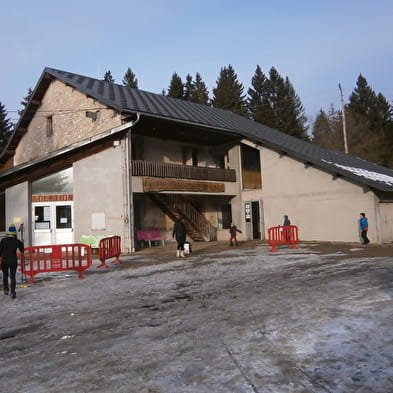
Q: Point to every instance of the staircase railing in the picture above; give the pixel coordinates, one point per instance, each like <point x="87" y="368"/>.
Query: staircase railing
<point x="192" y="216"/>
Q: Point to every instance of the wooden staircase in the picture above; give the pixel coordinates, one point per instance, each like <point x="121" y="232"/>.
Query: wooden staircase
<point x="175" y="206"/>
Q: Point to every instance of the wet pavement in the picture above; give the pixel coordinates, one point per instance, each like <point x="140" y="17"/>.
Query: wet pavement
<point x="223" y="319"/>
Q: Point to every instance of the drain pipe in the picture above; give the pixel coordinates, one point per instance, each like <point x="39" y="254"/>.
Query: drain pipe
<point x="129" y="183"/>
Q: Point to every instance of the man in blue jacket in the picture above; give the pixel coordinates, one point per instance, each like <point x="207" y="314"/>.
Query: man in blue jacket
<point x="364" y="228"/>
<point x="9" y="259"/>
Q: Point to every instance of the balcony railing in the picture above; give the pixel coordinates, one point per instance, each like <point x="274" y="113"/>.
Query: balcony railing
<point x="159" y="169"/>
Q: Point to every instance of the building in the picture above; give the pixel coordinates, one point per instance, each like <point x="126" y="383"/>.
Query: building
<point x="90" y="157"/>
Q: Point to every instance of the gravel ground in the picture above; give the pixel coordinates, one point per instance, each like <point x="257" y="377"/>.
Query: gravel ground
<point x="224" y="319"/>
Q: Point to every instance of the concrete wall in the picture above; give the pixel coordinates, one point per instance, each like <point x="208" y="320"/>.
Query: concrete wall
<point x="324" y="208"/>
<point x="100" y="193"/>
<point x="68" y="109"/>
<point x="17" y="209"/>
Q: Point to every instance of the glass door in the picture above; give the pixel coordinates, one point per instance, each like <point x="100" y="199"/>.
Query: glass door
<point x="52" y="223"/>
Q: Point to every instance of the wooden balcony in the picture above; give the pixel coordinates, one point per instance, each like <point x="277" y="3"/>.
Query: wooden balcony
<point x="158" y="169"/>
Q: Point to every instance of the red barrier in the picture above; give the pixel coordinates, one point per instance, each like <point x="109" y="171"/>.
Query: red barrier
<point x="283" y="235"/>
<point x="55" y="258"/>
<point x="109" y="247"/>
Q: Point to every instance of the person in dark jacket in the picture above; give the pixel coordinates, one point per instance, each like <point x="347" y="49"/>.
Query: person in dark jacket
<point x="286" y="232"/>
<point x="9" y="260"/>
<point x="179" y="233"/>
<point x="364" y="227"/>
<point x="232" y="234"/>
<point x="286" y="221"/>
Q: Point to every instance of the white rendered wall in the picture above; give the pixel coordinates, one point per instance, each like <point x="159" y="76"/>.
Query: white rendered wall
<point x="99" y="191"/>
<point x="324" y="208"/>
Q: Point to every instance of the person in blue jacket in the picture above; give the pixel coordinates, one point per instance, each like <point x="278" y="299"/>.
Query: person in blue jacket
<point x="364" y="228"/>
<point x="9" y="259"/>
<point x="287" y="221"/>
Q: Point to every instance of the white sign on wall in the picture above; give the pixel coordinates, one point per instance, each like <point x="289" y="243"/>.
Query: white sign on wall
<point x="97" y="221"/>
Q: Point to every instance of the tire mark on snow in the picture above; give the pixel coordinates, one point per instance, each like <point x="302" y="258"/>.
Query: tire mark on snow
<point x="238" y="366"/>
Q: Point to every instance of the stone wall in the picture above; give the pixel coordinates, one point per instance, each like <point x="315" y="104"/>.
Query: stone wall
<point x="68" y="110"/>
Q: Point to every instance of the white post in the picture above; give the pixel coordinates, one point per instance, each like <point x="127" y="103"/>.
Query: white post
<point x="344" y="123"/>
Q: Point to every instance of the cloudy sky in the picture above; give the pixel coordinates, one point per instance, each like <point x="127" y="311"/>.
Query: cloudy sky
<point x="317" y="44"/>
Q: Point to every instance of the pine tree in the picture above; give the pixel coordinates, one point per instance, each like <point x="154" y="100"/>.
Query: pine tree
<point x="327" y="130"/>
<point x="366" y="143"/>
<point x="175" y="87"/>
<point x="370" y="122"/>
<point x="108" y="77"/>
<point x="188" y="88"/>
<point x="259" y="106"/>
<point x="5" y="127"/>
<point x="196" y="91"/>
<point x="362" y="99"/>
<point x="277" y="99"/>
<point x="228" y="93"/>
<point x="273" y="101"/>
<point x="129" y="79"/>
<point x="25" y="101"/>
<point x="384" y="112"/>
<point x="199" y="94"/>
<point x="364" y="102"/>
<point x="294" y="118"/>
<point x="288" y="112"/>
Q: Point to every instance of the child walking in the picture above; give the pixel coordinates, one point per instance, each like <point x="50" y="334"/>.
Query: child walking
<point x="233" y="232"/>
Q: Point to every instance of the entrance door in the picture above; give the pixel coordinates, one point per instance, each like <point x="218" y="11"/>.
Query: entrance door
<point x="52" y="223"/>
<point x="256" y="227"/>
<point x="386" y="222"/>
<point x="253" y="220"/>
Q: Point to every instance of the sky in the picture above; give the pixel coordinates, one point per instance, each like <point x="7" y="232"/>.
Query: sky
<point x="316" y="44"/>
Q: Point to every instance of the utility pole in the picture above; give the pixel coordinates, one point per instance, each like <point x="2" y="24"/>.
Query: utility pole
<point x="344" y="122"/>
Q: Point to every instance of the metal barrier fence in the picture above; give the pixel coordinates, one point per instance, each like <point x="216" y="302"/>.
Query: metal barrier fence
<point x="282" y="235"/>
<point x="109" y="247"/>
<point x="55" y="258"/>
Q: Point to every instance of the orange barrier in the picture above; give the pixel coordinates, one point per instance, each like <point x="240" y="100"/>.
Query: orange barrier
<point x="55" y="258"/>
<point x="109" y="247"/>
<point x="283" y="235"/>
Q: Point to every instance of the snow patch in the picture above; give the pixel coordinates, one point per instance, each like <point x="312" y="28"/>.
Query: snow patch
<point x="371" y="175"/>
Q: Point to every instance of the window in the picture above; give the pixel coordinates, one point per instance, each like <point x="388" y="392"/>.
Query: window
<point x="42" y="217"/>
<point x="194" y="158"/>
<point x="63" y="217"/>
<point x="251" y="168"/>
<point x="57" y="183"/>
<point x="226" y="211"/>
<point x="49" y="126"/>
<point x="190" y="156"/>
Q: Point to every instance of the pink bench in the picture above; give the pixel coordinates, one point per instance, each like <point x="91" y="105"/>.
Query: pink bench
<point x="150" y="235"/>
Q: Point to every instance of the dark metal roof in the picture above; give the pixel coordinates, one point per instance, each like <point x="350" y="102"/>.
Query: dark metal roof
<point x="126" y="100"/>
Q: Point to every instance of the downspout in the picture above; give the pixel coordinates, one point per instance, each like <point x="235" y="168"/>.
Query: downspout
<point x="129" y="182"/>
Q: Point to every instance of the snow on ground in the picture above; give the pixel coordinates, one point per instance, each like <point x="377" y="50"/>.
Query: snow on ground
<point x="234" y="321"/>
